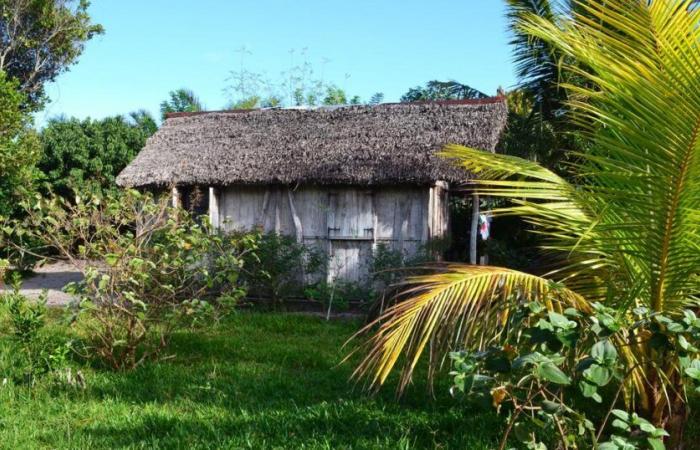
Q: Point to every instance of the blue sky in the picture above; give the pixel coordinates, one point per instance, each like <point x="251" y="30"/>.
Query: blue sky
<point x="153" y="46"/>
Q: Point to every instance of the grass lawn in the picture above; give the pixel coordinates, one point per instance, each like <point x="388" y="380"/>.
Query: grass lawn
<point x="256" y="381"/>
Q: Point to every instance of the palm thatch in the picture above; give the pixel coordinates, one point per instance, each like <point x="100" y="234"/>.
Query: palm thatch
<point x="351" y="145"/>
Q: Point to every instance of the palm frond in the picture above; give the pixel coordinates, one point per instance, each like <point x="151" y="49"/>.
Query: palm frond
<point x="645" y="110"/>
<point x="536" y="61"/>
<point x="457" y="306"/>
<point x="628" y="222"/>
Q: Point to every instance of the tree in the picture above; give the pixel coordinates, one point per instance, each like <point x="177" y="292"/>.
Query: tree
<point x="156" y="268"/>
<point x="626" y="227"/>
<point x="40" y="39"/>
<point x="538" y="128"/>
<point x="529" y="137"/>
<point x="297" y="86"/>
<point x="253" y="102"/>
<point x="181" y="100"/>
<point x="376" y="98"/>
<point x="81" y="152"/>
<point x="336" y="96"/>
<point x="19" y="149"/>
<point x="441" y="90"/>
<point x="145" y="121"/>
<point x="537" y="61"/>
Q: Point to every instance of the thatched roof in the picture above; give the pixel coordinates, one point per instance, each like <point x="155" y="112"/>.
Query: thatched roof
<point x="383" y="144"/>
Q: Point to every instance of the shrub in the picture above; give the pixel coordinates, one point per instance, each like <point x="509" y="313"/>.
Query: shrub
<point x="550" y="367"/>
<point x="30" y="353"/>
<point x="280" y="266"/>
<point x="145" y="266"/>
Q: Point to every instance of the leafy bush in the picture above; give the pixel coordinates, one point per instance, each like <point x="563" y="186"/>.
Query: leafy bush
<point x="279" y="266"/>
<point x="31" y="353"/>
<point x="78" y="154"/>
<point x="148" y="269"/>
<point x="551" y="365"/>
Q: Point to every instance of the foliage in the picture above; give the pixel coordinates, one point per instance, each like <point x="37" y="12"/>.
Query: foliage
<point x="338" y="295"/>
<point x="40" y="39"/>
<point x="19" y="150"/>
<point x="4" y="266"/>
<point x="626" y="228"/>
<point x="31" y="353"/>
<point x="297" y="86"/>
<point x="529" y="137"/>
<point x="538" y="125"/>
<point x="390" y="265"/>
<point x="336" y="96"/>
<point x="144" y="121"/>
<point x="441" y="90"/>
<point x="19" y="153"/>
<point x="144" y="266"/>
<point x="537" y="61"/>
<point x="376" y="98"/>
<point x="280" y="266"/>
<point x="181" y="100"/>
<point x="547" y="362"/>
<point x="78" y="154"/>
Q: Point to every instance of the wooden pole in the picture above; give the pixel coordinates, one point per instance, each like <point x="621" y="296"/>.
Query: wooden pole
<point x="177" y="200"/>
<point x="474" y="230"/>
<point x="214" y="207"/>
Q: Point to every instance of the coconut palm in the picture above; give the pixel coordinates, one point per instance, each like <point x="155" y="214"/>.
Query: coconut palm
<point x="536" y="60"/>
<point x="626" y="219"/>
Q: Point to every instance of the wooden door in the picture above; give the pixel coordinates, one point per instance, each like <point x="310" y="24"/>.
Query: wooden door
<point x="350" y="234"/>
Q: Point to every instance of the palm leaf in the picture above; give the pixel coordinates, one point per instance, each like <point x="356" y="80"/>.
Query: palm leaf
<point x="627" y="218"/>
<point x="458" y="305"/>
<point x="646" y="162"/>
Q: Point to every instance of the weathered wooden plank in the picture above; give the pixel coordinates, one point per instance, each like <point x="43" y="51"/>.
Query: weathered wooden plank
<point x="298" y="230"/>
<point x="214" y="207"/>
<point x="345" y="221"/>
<point x="176" y="198"/>
<point x="312" y="205"/>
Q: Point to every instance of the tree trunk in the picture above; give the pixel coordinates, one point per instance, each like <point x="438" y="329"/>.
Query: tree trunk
<point x="675" y="423"/>
<point x="474" y="232"/>
<point x="671" y="417"/>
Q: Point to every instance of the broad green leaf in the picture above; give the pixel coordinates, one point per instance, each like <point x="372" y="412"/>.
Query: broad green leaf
<point x="656" y="444"/>
<point x="598" y="375"/>
<point x="560" y="321"/>
<point x="550" y="372"/>
<point x="604" y="352"/>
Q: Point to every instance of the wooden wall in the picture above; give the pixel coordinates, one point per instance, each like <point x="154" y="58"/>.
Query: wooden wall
<point x="346" y="222"/>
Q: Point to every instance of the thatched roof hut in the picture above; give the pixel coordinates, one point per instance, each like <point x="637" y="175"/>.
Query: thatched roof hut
<point x="343" y="179"/>
<point x="350" y="145"/>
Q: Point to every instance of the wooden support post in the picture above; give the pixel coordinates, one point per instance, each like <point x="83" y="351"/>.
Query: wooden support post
<point x="176" y="198"/>
<point x="295" y="217"/>
<point x="299" y="231"/>
<point x="430" y="231"/>
<point x="474" y="230"/>
<point x="278" y="219"/>
<point x="214" y="207"/>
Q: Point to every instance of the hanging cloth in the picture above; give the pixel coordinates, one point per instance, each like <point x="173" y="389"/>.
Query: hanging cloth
<point x="484" y="226"/>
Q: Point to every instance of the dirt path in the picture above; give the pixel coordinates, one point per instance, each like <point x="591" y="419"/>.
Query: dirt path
<point x="52" y="277"/>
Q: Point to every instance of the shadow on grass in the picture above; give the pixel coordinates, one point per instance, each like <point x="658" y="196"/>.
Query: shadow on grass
<point x="352" y="424"/>
<point x="263" y="381"/>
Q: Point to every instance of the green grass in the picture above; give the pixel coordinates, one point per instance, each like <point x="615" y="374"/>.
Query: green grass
<point x="256" y="381"/>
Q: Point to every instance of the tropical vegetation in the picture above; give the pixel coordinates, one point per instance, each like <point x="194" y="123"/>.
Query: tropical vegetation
<point x="148" y="269"/>
<point x="621" y="227"/>
<point x="84" y="154"/>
